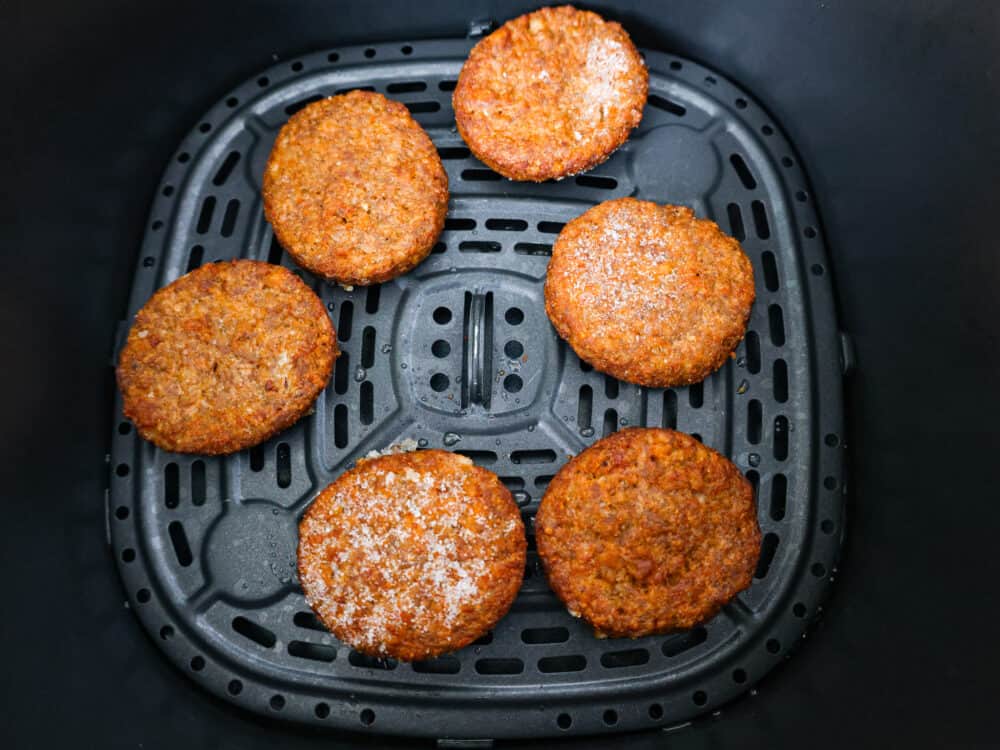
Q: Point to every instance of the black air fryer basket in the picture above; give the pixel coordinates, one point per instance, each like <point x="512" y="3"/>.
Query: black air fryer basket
<point x="459" y="354"/>
<point x="776" y="122"/>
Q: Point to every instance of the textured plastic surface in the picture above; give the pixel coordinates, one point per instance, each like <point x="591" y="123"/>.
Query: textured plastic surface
<point x="459" y="354"/>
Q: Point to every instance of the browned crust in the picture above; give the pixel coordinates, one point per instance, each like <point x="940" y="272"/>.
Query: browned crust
<point x="225" y="357"/>
<point x="648" y="531"/>
<point x="412" y="555"/>
<point x="355" y="189"/>
<point x="550" y="94"/>
<point x="649" y="293"/>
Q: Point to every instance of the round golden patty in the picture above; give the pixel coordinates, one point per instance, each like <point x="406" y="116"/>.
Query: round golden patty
<point x="355" y="189"/>
<point x="648" y="531"/>
<point x="225" y="357"/>
<point x="649" y="293"/>
<point x="412" y="555"/>
<point x="550" y="94"/>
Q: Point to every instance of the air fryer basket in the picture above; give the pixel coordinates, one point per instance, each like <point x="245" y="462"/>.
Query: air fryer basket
<point x="459" y="354"/>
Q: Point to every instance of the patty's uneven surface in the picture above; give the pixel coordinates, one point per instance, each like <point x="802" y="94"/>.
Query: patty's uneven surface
<point x="550" y="94"/>
<point x="411" y="555"/>
<point x="647" y="531"/>
<point x="225" y="357"/>
<point x="649" y="293"/>
<point x="355" y="189"/>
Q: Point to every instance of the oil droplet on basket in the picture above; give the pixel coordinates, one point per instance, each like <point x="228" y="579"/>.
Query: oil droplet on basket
<point x="753" y="459"/>
<point x="402" y="365"/>
<point x="422" y="442"/>
<point x="531" y="428"/>
<point x="274" y="511"/>
<point x="360" y="374"/>
<point x="451" y="438"/>
<point x="386" y="348"/>
<point x="623" y="421"/>
<point x="587" y="432"/>
<point x="743" y="387"/>
<point x="330" y="306"/>
<point x="521" y="497"/>
<point x="741" y="361"/>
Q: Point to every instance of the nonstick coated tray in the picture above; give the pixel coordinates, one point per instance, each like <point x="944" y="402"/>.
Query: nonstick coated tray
<point x="459" y="354"/>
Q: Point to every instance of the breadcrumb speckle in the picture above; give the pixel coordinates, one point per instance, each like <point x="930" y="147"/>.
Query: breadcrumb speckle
<point x="406" y="445"/>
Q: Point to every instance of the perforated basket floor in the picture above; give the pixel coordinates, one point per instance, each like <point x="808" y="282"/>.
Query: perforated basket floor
<point x="459" y="354"/>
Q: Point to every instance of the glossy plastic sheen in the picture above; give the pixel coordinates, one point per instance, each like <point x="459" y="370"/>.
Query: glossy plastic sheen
<point x="459" y="354"/>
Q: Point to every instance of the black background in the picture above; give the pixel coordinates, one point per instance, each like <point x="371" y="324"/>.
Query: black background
<point x="895" y="109"/>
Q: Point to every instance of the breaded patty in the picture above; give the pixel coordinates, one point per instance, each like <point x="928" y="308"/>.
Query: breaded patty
<point x="550" y="94"/>
<point x="649" y="293"/>
<point x="411" y="555"/>
<point x="225" y="357"/>
<point x="648" y="531"/>
<point x="354" y="189"/>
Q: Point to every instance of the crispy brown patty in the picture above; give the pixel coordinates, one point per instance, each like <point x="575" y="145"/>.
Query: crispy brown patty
<point x="225" y="357"/>
<point x="412" y="555"/>
<point x="648" y="531"/>
<point x="649" y="293"/>
<point x="550" y="94"/>
<point x="354" y="189"/>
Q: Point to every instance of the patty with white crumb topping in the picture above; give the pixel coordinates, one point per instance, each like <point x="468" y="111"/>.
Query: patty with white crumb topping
<point x="550" y="93"/>
<point x="412" y="555"/>
<point x="650" y="294"/>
